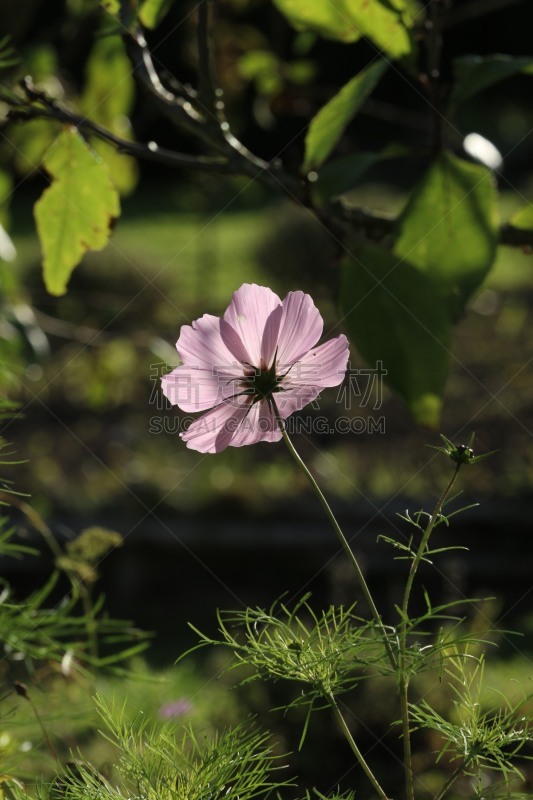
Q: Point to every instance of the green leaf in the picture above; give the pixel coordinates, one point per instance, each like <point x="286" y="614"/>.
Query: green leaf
<point x="327" y="127"/>
<point x="475" y="73"/>
<point x="76" y="212"/>
<point x="152" y="12"/>
<point x="393" y="313"/>
<point x="385" y="23"/>
<point x="341" y="174"/>
<point x="449" y="228"/>
<point x="523" y="219"/>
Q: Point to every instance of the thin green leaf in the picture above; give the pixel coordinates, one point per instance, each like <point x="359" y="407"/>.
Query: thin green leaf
<point x="394" y="314"/>
<point x="329" y="124"/>
<point x="76" y="212"/>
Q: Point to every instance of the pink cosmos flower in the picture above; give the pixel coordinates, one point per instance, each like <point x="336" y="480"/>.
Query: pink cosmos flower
<point x="259" y="357"/>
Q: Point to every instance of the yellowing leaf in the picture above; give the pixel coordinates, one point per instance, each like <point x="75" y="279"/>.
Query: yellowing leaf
<point x="327" y="127"/>
<point x="75" y="213"/>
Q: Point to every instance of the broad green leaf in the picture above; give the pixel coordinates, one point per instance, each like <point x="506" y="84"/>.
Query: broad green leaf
<point x="523" y="218"/>
<point x="152" y="12"/>
<point x="475" y="73"/>
<point x="384" y="23"/>
<point x="449" y="228"/>
<point x="394" y="314"/>
<point x="108" y="98"/>
<point x="327" y="127"/>
<point x="76" y="212"/>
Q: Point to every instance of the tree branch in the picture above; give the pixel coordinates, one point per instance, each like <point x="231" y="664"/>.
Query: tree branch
<point x="38" y="105"/>
<point x="189" y="114"/>
<point x="378" y="226"/>
<point x="235" y="161"/>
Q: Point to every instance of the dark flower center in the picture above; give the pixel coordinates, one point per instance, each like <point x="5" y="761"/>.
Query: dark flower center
<point x="261" y="383"/>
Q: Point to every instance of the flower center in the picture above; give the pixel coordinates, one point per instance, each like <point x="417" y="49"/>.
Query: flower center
<point x="261" y="383"/>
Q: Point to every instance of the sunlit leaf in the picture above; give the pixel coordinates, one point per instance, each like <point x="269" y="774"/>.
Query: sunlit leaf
<point x="327" y="127"/>
<point x="385" y="23"/>
<point x="475" y="73"/>
<point x="328" y="19"/>
<point x="152" y="12"/>
<point x="75" y="213"/>
<point x="394" y="314"/>
<point x="449" y="228"/>
<point x="523" y="218"/>
<point x="107" y="99"/>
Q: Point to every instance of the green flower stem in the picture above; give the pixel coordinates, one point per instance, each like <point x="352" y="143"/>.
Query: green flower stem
<point x="403" y="677"/>
<point x="351" y="741"/>
<point x="336" y="527"/>
<point x="423" y="545"/>
<point x="406" y="734"/>
<point x="451" y="780"/>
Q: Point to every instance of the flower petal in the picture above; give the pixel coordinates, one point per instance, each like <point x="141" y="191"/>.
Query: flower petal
<point x="201" y="345"/>
<point x="294" y="398"/>
<point x="323" y="366"/>
<point x="213" y="431"/>
<point x="269" y="342"/>
<point x="197" y="389"/>
<point x="234" y="343"/>
<point x="300" y="329"/>
<point x="247" y="314"/>
<point x="260" y="425"/>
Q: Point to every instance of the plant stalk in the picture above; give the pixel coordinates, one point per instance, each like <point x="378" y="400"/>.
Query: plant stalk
<point x="351" y="741"/>
<point x="336" y="527"/>
<point x="449" y="783"/>
<point x="403" y="677"/>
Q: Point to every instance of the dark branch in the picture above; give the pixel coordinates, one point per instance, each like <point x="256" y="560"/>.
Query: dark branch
<point x="43" y="107"/>
<point x="208" y="92"/>
<point x="189" y="114"/>
<point x="477" y="9"/>
<point x="38" y="105"/>
<point x="380" y="226"/>
<point x="516" y="237"/>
